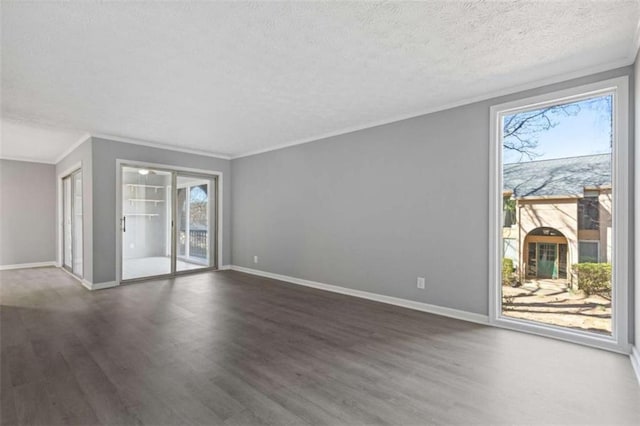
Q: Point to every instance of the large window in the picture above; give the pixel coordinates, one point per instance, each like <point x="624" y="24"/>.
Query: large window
<point x="562" y="156"/>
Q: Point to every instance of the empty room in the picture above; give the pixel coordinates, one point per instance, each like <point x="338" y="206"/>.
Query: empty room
<point x="319" y="213"/>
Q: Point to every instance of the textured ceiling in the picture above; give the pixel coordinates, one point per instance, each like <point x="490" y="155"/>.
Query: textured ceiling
<point x="25" y="141"/>
<point x="234" y="78"/>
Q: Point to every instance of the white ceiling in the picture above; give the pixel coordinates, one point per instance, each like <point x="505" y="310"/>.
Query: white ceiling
<point x="26" y="141"/>
<point x="235" y="78"/>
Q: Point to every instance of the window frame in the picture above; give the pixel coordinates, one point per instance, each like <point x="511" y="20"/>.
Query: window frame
<point x="618" y="87"/>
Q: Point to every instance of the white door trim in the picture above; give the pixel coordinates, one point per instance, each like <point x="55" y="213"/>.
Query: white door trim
<point x="120" y="162"/>
<point x="619" y="340"/>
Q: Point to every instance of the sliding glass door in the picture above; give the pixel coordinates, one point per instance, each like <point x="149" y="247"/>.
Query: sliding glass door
<point x="168" y="222"/>
<point x="72" y="223"/>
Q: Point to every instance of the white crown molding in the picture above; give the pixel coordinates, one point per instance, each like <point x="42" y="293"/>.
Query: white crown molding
<point x="85" y="137"/>
<point x="160" y="146"/>
<point x="462" y="102"/>
<point x="635" y="46"/>
<point x="410" y="304"/>
<point x="635" y="361"/>
<point x="27" y="265"/>
<point x="26" y="160"/>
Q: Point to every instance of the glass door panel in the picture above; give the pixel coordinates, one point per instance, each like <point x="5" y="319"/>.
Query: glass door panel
<point x="547" y="261"/>
<point x="67" y="227"/>
<point x="76" y="179"/>
<point x="72" y="223"/>
<point x="146" y="222"/>
<point x="195" y="222"/>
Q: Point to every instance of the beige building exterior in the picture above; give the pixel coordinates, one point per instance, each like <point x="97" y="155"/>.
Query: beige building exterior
<point x="557" y="213"/>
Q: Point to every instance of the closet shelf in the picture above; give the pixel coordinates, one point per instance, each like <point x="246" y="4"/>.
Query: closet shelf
<point x="146" y="200"/>
<point x="139" y="185"/>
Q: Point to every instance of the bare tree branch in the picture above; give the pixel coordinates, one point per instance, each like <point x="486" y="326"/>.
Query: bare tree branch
<point x="520" y="131"/>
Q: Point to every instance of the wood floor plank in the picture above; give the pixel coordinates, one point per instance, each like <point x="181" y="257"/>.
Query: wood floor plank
<point x="233" y="349"/>
<point x="23" y="366"/>
<point x="34" y="406"/>
<point x="70" y="400"/>
<point x="259" y="403"/>
<point x="100" y="392"/>
<point x="8" y="414"/>
<point x="137" y="397"/>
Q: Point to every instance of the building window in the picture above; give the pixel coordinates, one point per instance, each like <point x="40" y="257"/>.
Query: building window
<point x="508" y="212"/>
<point x="588" y="252"/>
<point x="589" y="212"/>
<point x="510" y="249"/>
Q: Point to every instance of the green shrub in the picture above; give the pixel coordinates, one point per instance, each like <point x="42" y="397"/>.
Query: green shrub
<point x="594" y="278"/>
<point x="507" y="271"/>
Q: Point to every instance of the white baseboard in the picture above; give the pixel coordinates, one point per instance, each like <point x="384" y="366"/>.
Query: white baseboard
<point x="27" y="265"/>
<point x="224" y="268"/>
<point x="405" y="303"/>
<point x="98" y="286"/>
<point x="635" y="360"/>
<point x="89" y="285"/>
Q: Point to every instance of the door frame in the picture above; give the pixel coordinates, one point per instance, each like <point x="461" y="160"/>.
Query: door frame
<point x="619" y="339"/>
<point x="202" y="181"/>
<point x="216" y="226"/>
<point x="76" y="167"/>
<point x="68" y="267"/>
<point x="218" y="241"/>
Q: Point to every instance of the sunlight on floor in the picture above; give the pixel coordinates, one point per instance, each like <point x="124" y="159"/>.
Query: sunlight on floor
<point x="151" y="266"/>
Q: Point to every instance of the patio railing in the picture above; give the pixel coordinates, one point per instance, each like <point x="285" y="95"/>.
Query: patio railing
<point x="198" y="243"/>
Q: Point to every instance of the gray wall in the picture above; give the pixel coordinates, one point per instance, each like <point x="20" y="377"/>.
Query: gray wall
<point x="27" y="212"/>
<point x="82" y="155"/>
<point x="374" y="209"/>
<point x="105" y="152"/>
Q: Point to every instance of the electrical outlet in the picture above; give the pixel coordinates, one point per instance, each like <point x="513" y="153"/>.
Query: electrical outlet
<point x="255" y="259"/>
<point x="421" y="282"/>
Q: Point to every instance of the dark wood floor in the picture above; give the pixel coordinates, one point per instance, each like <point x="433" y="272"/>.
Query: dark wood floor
<point x="230" y="348"/>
